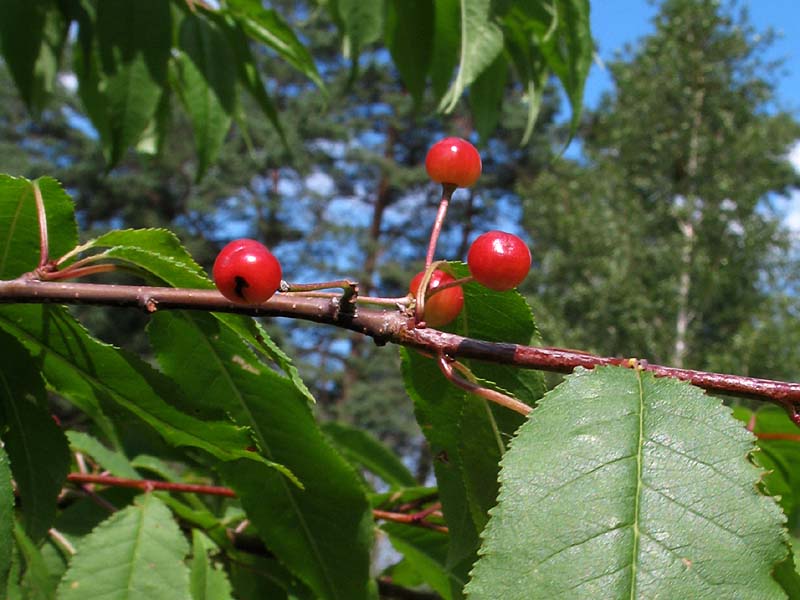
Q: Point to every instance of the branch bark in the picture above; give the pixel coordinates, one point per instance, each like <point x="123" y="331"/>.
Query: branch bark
<point x="385" y="326"/>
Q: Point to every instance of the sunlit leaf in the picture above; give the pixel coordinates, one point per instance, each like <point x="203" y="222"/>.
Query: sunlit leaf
<point x="624" y="485"/>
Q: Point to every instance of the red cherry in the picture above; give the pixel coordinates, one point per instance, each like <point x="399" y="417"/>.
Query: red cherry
<point x="454" y="161"/>
<point x="443" y="307"/>
<point x="499" y="260"/>
<point x="246" y="272"/>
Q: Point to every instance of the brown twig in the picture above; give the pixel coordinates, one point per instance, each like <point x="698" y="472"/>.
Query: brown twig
<point x="775" y="435"/>
<point x="388" y="326"/>
<point x="446" y="366"/>
<point x="151" y="485"/>
<point x="407" y="519"/>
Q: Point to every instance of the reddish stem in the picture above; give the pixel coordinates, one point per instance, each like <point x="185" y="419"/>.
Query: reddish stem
<point x="149" y="485"/>
<point x="447" y="193"/>
<point x="446" y="366"/>
<point x="407" y="520"/>
<point x="790" y="437"/>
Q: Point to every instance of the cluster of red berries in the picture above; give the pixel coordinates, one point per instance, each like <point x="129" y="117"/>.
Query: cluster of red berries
<point x="496" y="260"/>
<point x="246" y="272"/>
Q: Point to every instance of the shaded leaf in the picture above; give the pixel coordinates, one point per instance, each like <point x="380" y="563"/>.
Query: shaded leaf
<point x="486" y="97"/>
<point x="32" y="36"/>
<point x="467" y="435"/>
<point x="37" y="583"/>
<point x="305" y="528"/>
<point x="361" y="23"/>
<point x="207" y="581"/>
<point x="411" y="53"/>
<point x="425" y="551"/>
<point x="6" y="519"/>
<point x="445" y="45"/>
<point x="624" y="485"/>
<point x="114" y="462"/>
<point x="364" y="450"/>
<point x="135" y="554"/>
<point x="133" y="40"/>
<point x="19" y="224"/>
<point x="207" y="85"/>
<point x="35" y="444"/>
<point x="89" y="372"/>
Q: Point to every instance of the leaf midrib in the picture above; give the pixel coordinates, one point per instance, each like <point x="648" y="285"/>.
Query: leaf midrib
<point x="639" y="487"/>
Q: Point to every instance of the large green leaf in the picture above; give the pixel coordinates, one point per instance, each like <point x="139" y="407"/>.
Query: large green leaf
<point x="481" y="43"/>
<point x="486" y="96"/>
<point x="134" y="40"/>
<point x="365" y="451"/>
<point x="445" y="45"/>
<point x="135" y="554"/>
<point x="268" y="27"/>
<point x="32" y="35"/>
<point x="622" y="485"/>
<point x="35" y="444"/>
<point x="6" y="519"/>
<point x="90" y="373"/>
<point x="19" y="224"/>
<point x="207" y="85"/>
<point x="305" y="528"/>
<point x="467" y="435"/>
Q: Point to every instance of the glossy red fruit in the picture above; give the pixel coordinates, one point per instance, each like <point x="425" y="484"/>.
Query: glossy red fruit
<point x="246" y="272"/>
<point x="499" y="260"/>
<point x="441" y="308"/>
<point x="454" y="161"/>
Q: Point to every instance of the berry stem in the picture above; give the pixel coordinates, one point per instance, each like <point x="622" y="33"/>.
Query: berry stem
<point x="446" y="365"/>
<point x="454" y="283"/>
<point x="421" y="291"/>
<point x="41" y="213"/>
<point x="349" y="297"/>
<point x="447" y="193"/>
<point x="376" y="300"/>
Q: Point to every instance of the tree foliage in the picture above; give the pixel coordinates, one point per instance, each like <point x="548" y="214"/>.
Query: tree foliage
<point x="309" y="124"/>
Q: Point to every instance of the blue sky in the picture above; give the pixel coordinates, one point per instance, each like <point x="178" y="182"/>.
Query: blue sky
<point x="619" y="22"/>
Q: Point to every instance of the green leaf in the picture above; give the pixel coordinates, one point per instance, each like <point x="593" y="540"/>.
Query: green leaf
<point x="362" y="24"/>
<point x="445" y="45"/>
<point x="207" y="581"/>
<point x="305" y="528"/>
<point x="486" y="97"/>
<point x="114" y="462"/>
<point x="89" y="372"/>
<point x="779" y="457"/>
<point x="19" y="223"/>
<point x="468" y="436"/>
<point x="6" y="519"/>
<point x="135" y="554"/>
<point x="249" y="75"/>
<point x="134" y="40"/>
<point x="625" y="485"/>
<point x="207" y="85"/>
<point x="411" y="53"/>
<point x="364" y="450"/>
<point x="481" y="42"/>
<point x="32" y="36"/>
<point x="786" y="572"/>
<point x="159" y="253"/>
<point x="268" y="27"/>
<point x="425" y="551"/>
<point x="37" y="584"/>
<point x="35" y="444"/>
<point x="569" y="52"/>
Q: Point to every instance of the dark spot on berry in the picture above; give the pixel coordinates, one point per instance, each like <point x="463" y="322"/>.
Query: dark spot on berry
<point x="241" y="284"/>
